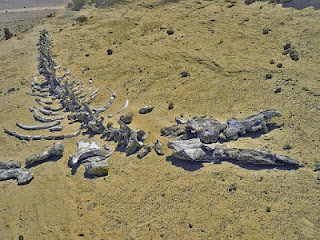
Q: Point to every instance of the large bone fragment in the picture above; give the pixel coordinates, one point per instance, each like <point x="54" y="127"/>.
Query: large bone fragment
<point x="86" y="149"/>
<point x="98" y="169"/>
<point x="252" y="123"/>
<point x="195" y="150"/>
<point x="55" y="150"/>
<point x="28" y="127"/>
<point x="23" y="176"/>
<point x="210" y="130"/>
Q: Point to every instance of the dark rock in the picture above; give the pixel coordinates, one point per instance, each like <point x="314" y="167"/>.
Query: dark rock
<point x="279" y="65"/>
<point x="170" y="106"/>
<point x="7" y="34"/>
<point x="126" y="118"/>
<point x="268" y="209"/>
<point x="286" y="147"/>
<point x="277" y="90"/>
<point x="109" y="52"/>
<point x="170" y="32"/>
<point x="317" y="168"/>
<point x="146" y="109"/>
<point x="87" y="55"/>
<point x="268" y="76"/>
<point x="265" y="30"/>
<point x="184" y="74"/>
<point x="233" y="187"/>
<point x="271" y="61"/>
<point x="287" y="46"/>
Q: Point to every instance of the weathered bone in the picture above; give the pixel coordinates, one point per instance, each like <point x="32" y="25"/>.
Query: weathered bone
<point x="55" y="150"/>
<point x="39" y="127"/>
<point x="39" y="137"/>
<point x="158" y="147"/>
<point x="97" y="168"/>
<point x="86" y="149"/>
<point x="47" y="112"/>
<point x="23" y="176"/>
<point x="104" y="108"/>
<point x="195" y="150"/>
<point x="125" y="106"/>
<point x="57" y="128"/>
<point x="210" y="130"/>
<point x="43" y="119"/>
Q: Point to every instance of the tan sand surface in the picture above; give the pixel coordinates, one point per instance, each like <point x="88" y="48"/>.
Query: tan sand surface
<point x="156" y="197"/>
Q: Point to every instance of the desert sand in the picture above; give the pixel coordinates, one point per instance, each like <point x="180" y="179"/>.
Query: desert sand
<point x="157" y="197"/>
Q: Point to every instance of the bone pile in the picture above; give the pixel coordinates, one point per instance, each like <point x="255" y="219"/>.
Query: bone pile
<point x="197" y="133"/>
<point x="13" y="170"/>
<point x="58" y="96"/>
<point x="94" y="156"/>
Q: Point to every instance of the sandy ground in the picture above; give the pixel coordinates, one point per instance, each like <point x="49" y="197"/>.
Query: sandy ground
<point x="157" y="197"/>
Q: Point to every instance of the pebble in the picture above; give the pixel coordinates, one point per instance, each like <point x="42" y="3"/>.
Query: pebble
<point x="268" y="76"/>
<point x="109" y="52"/>
<point x="170" y="32"/>
<point x="184" y="74"/>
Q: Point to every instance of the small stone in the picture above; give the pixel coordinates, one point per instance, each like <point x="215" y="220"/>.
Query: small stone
<point x="184" y="74"/>
<point x="286" y="147"/>
<point x="109" y="52"/>
<point x="277" y="90"/>
<point x="171" y="105"/>
<point x="287" y="46"/>
<point x="11" y="90"/>
<point x="146" y="109"/>
<point x="212" y="31"/>
<point x="271" y="61"/>
<point x="170" y="32"/>
<point x="230" y="5"/>
<point x="268" y="76"/>
<point x="318" y="178"/>
<point x="98" y="169"/>
<point x="279" y="65"/>
<point x="317" y="168"/>
<point x="265" y="31"/>
<point x="21" y="237"/>
<point x="7" y="34"/>
<point x="126" y="118"/>
<point x="87" y="55"/>
<point x="246" y="19"/>
<point x="268" y="209"/>
<point x="233" y="187"/>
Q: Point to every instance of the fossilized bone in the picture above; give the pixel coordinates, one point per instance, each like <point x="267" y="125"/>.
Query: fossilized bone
<point x="195" y="150"/>
<point x="89" y="151"/>
<point x="55" y="150"/>
<point x="210" y="130"/>
<point x="12" y="170"/>
<point x="65" y="90"/>
<point x="125" y="106"/>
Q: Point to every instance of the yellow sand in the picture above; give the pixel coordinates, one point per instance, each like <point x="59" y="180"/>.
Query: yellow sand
<point x="156" y="198"/>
